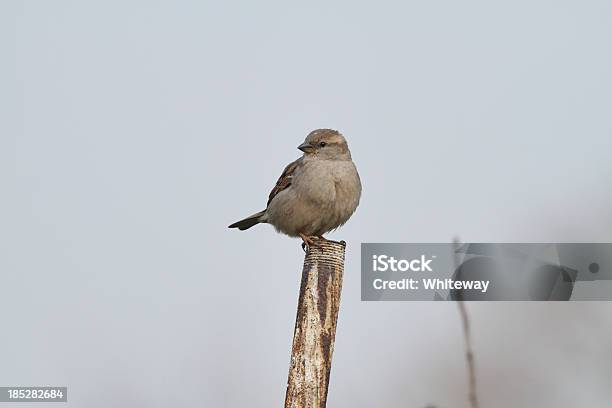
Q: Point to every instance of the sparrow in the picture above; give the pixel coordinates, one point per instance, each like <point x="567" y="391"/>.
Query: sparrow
<point x="316" y="193"/>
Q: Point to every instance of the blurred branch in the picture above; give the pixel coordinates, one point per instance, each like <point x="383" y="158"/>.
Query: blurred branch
<point x="469" y="353"/>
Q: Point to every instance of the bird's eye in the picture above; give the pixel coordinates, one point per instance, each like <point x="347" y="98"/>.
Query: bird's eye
<point x="322" y="144"/>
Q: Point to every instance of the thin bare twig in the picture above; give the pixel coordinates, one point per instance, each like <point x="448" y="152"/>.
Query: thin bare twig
<point x="469" y="353"/>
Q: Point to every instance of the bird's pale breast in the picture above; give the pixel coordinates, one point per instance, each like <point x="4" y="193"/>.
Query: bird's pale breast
<point x="322" y="196"/>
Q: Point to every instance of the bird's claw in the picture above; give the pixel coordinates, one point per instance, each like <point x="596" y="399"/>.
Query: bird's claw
<point x="306" y="242"/>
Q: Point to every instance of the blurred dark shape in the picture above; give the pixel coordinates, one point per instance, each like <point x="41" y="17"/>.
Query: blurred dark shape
<point x="481" y="268"/>
<point x="551" y="282"/>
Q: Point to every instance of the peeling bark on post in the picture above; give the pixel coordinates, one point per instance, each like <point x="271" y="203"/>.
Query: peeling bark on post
<point x="315" y="325"/>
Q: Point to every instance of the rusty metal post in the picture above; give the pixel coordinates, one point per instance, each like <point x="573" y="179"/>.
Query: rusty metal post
<point x="315" y="325"/>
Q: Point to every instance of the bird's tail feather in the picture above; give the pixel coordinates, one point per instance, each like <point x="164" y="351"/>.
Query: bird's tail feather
<point x="248" y="222"/>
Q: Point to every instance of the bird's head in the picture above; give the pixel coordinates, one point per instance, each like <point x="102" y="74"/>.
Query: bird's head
<point x="325" y="144"/>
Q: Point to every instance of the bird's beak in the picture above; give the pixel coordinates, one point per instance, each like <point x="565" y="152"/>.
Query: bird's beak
<point x="306" y="147"/>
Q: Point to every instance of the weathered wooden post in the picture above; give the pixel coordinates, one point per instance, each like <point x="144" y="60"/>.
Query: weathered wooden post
<point x="315" y="325"/>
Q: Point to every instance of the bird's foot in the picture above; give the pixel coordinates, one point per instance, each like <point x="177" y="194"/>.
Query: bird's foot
<point x="306" y="241"/>
<point x="321" y="237"/>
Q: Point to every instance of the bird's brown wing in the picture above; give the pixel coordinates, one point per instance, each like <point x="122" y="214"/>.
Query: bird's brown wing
<point x="284" y="180"/>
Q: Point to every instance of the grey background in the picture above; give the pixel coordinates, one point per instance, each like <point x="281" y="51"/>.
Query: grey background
<point x="133" y="133"/>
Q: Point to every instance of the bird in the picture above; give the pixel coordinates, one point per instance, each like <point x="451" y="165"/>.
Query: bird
<point x="316" y="193"/>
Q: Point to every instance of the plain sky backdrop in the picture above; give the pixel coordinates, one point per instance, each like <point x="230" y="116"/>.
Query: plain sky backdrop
<point x="132" y="133"/>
